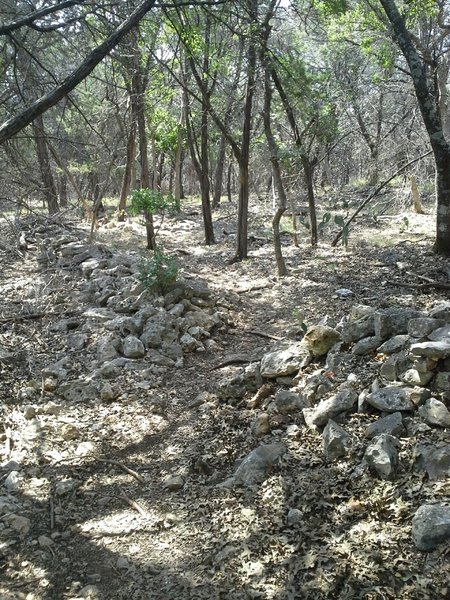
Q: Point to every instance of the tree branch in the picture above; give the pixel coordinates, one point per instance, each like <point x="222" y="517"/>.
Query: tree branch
<point x="16" y="124"/>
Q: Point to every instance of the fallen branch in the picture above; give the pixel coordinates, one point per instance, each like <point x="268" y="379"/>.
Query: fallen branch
<point x="262" y="334"/>
<point x="422" y="286"/>
<point x="233" y="360"/>
<point x="374" y="193"/>
<point x="134" y="474"/>
<point x="133" y="504"/>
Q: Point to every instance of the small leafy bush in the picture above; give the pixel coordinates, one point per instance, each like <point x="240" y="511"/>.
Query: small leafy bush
<point x="159" y="272"/>
<point x="151" y="201"/>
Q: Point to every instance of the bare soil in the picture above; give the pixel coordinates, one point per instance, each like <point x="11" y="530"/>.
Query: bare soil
<point x="119" y="534"/>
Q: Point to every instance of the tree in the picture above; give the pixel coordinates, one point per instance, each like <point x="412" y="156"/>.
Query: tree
<point x="428" y="100"/>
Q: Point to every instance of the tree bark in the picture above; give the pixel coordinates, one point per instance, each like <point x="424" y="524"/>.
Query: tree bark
<point x="16" y="124"/>
<point x="433" y="124"/>
<point x="276" y="171"/>
<point x="308" y="170"/>
<point x="49" y="187"/>
<point x="130" y="158"/>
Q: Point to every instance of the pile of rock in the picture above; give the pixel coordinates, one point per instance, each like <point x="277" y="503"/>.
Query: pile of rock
<point x="120" y="324"/>
<point x="410" y="353"/>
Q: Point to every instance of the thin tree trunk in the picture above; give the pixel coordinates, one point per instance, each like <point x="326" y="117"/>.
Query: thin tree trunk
<point x="417" y="204"/>
<point x="49" y="187"/>
<point x="308" y="170"/>
<point x="229" y="176"/>
<point x="277" y="179"/>
<point x="143" y="158"/>
<point x="70" y="178"/>
<point x="178" y="171"/>
<point x="129" y="165"/>
<point x="218" y="175"/>
<point x="244" y="154"/>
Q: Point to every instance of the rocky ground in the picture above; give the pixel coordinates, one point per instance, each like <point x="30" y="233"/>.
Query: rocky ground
<point x="148" y="450"/>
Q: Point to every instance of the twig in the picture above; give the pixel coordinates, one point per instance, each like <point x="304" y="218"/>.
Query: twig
<point x="134" y="474"/>
<point x="232" y="360"/>
<point x="422" y="286"/>
<point x="133" y="504"/>
<point x="52" y="513"/>
<point x="262" y="334"/>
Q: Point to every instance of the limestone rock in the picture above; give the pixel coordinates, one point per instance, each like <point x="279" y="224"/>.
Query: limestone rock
<point x="415" y="377"/>
<point x="285" y="361"/>
<point x="434" y="412"/>
<point x="431" y="526"/>
<point x="335" y="440"/>
<point x="434" y="350"/>
<point x="382" y="457"/>
<point x="287" y="402"/>
<point x="78" y="391"/>
<point x="392" y="399"/>
<point x="435" y="461"/>
<point x="173" y="483"/>
<point x="395" y="344"/>
<point x="343" y="400"/>
<point x="356" y="330"/>
<point x="133" y="347"/>
<point x="366" y="345"/>
<point x="257" y="465"/>
<point x="422" y="326"/>
<point x="261" y="425"/>
<point x="391" y="424"/>
<point x="393" y="321"/>
<point x="319" y="339"/>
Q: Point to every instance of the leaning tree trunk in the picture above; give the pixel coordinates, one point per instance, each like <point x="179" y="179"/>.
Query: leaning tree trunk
<point x="49" y="187"/>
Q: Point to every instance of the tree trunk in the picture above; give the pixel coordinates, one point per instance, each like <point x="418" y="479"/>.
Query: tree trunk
<point x="49" y="187"/>
<point x="244" y="154"/>
<point x="229" y="177"/>
<point x="178" y="171"/>
<point x="218" y="175"/>
<point x="143" y="155"/>
<point x="308" y="170"/>
<point x="417" y="204"/>
<point x="204" y="180"/>
<point x="276" y="177"/>
<point x="433" y="123"/>
<point x="126" y="181"/>
<point x="62" y="181"/>
<point x="242" y="227"/>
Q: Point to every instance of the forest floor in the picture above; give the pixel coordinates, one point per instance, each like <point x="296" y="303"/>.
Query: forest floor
<point x="121" y="534"/>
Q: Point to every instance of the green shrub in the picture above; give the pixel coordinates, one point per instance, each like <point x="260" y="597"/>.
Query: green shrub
<point x="151" y="201"/>
<point x="159" y="272"/>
